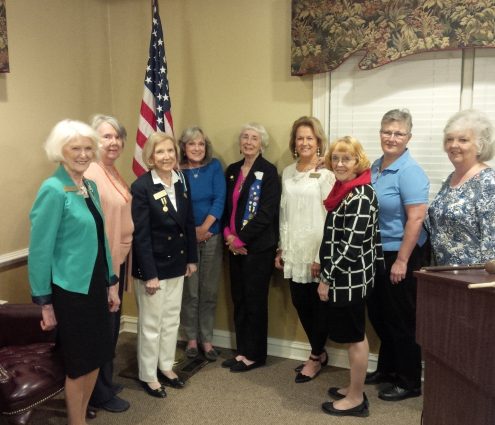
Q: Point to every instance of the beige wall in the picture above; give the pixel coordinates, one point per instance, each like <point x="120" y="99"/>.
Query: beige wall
<point x="58" y="51"/>
<point x="228" y="64"/>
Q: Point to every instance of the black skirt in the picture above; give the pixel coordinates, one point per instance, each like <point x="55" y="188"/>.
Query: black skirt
<point x="347" y="324"/>
<point x="84" y="334"/>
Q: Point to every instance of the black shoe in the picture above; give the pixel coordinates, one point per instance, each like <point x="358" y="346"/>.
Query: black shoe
<point x="243" y="367"/>
<point x="334" y="393"/>
<point x="159" y="392"/>
<point x="229" y="362"/>
<point x="301" y="378"/>
<point x="360" y="410"/>
<point x="117" y="388"/>
<point x="115" y="405"/>
<point x="90" y="413"/>
<point x="211" y="355"/>
<point x="176" y="383"/>
<point x="323" y="363"/>
<point x="299" y="368"/>
<point x="396" y="393"/>
<point x="192" y="352"/>
<point x="377" y="377"/>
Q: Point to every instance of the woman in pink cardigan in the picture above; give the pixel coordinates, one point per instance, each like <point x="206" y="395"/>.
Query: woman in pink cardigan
<point x="116" y="203"/>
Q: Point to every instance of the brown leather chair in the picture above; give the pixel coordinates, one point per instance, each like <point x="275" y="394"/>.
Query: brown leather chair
<point x="31" y="371"/>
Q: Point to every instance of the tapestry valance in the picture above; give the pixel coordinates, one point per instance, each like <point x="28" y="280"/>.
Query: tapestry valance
<point x="326" y="32"/>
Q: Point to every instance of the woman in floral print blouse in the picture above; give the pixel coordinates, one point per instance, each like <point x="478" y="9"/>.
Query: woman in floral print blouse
<point x="462" y="216"/>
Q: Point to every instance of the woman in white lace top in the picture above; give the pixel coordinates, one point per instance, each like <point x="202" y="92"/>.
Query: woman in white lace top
<point x="302" y="217"/>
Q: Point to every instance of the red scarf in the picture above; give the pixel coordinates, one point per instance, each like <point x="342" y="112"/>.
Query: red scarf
<point x="341" y="189"/>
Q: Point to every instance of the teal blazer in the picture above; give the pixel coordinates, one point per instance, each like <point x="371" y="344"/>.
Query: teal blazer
<point x="64" y="242"/>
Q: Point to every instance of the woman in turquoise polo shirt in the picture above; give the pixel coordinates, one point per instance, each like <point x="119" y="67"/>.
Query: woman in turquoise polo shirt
<point x="70" y="267"/>
<point x="402" y="188"/>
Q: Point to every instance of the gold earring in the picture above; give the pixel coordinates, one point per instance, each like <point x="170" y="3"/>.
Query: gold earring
<point x="318" y="151"/>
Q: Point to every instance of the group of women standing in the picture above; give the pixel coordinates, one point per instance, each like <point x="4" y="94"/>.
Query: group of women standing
<point x="348" y="235"/>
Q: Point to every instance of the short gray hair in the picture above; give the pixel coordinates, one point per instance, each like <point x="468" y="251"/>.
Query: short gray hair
<point x="398" y="115"/>
<point x="479" y="124"/>
<point x="259" y="129"/>
<point x="99" y="119"/>
<point x="66" y="131"/>
<point x="192" y="133"/>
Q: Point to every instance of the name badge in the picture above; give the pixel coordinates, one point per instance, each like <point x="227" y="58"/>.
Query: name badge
<point x="160" y="194"/>
<point x="314" y="175"/>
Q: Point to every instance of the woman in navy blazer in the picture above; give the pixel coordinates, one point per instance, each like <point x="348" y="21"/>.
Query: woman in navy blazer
<point x="251" y="234"/>
<point x="164" y="251"/>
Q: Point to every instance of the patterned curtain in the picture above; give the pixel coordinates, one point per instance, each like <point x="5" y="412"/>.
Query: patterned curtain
<point x="4" y="50"/>
<point x="326" y="32"/>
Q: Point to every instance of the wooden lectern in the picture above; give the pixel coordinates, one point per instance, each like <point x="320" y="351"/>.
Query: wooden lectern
<point x="456" y="330"/>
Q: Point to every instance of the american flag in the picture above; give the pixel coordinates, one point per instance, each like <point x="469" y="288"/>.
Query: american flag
<point x="155" y="114"/>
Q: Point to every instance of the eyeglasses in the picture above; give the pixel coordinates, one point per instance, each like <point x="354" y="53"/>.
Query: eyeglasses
<point x="344" y="159"/>
<point x="389" y="134"/>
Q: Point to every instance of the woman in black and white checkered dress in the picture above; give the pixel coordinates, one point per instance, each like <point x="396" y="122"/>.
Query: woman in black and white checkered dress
<point x="349" y="255"/>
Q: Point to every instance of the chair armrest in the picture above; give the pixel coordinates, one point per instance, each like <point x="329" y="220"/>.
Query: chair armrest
<point x="21" y="325"/>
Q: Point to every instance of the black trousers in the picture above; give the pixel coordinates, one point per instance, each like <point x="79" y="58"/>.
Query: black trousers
<point x="104" y="389"/>
<point x="250" y="278"/>
<point x="392" y="312"/>
<point x="313" y="314"/>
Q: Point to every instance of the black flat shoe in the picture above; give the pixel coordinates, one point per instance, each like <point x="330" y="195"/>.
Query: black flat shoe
<point x="90" y="413"/>
<point x="176" y="383"/>
<point x="229" y="363"/>
<point x="376" y="377"/>
<point x="360" y="410"/>
<point x="396" y="393"/>
<point x="334" y="393"/>
<point x="158" y="393"/>
<point x="243" y="367"/>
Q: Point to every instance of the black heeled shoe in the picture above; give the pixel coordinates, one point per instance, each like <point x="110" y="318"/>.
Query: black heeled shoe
<point x="301" y="378"/>
<point x="158" y="392"/>
<point x="176" y="383"/>
<point x="323" y="363"/>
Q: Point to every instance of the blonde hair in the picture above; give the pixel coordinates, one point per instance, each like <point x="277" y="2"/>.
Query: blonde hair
<point x="315" y="125"/>
<point x="150" y="144"/>
<point x="352" y="146"/>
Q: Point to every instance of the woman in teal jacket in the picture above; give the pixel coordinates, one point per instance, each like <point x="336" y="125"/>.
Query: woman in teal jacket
<point x="70" y="267"/>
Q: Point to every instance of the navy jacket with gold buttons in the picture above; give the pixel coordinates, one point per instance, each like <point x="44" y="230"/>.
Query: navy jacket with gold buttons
<point x="164" y="240"/>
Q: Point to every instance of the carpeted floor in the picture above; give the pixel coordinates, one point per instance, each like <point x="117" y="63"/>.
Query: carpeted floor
<point x="215" y="396"/>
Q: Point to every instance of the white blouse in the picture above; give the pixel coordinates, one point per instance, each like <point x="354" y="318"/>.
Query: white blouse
<point x="302" y="218"/>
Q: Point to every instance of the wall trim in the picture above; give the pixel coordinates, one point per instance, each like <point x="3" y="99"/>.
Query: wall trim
<point x="276" y="347"/>
<point x="13" y="257"/>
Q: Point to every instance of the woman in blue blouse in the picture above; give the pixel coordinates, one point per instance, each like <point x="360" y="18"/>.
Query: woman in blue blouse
<point x="462" y="216"/>
<point x="402" y="188"/>
<point x="207" y="184"/>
